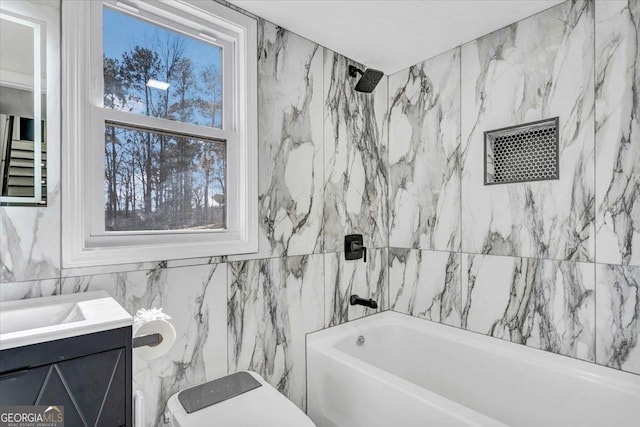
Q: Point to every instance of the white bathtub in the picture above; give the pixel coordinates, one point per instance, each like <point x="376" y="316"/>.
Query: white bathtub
<point x="412" y="372"/>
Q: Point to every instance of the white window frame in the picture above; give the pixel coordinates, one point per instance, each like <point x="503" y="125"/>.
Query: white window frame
<point x="86" y="242"/>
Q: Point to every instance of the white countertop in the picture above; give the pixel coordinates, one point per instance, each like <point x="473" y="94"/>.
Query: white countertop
<point x="37" y="320"/>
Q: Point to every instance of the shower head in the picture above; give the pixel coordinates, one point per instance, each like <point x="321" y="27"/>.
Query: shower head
<point x="369" y="79"/>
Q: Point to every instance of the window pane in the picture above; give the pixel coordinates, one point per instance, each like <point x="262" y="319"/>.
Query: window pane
<point x="157" y="72"/>
<point x="156" y="181"/>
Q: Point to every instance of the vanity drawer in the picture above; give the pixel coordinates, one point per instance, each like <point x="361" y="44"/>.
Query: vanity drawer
<point x="89" y="375"/>
<point x="31" y="356"/>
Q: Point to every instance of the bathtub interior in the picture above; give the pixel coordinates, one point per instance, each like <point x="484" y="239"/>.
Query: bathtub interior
<point x="505" y="381"/>
<point x="346" y="392"/>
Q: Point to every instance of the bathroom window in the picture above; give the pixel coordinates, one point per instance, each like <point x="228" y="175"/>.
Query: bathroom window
<point x="165" y="138"/>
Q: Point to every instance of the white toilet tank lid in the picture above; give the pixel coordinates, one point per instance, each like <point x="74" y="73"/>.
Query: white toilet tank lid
<point x="261" y="407"/>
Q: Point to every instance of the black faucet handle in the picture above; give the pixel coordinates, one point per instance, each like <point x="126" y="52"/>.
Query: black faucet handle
<point x="354" y="247"/>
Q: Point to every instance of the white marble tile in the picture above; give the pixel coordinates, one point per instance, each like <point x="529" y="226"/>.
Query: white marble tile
<point x="355" y="157"/>
<point x="618" y="132"/>
<point x="345" y="278"/>
<point x="425" y="284"/>
<point x="195" y="297"/>
<point x="424" y="143"/>
<point x="272" y="304"/>
<point x="618" y="317"/>
<point x="538" y="68"/>
<point x="290" y="106"/>
<point x="12" y="291"/>
<point x="30" y="242"/>
<point x="541" y="303"/>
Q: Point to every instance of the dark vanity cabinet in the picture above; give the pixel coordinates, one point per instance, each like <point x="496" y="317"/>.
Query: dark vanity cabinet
<point x="90" y="375"/>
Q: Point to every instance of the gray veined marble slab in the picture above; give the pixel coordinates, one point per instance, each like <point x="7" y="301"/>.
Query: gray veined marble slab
<point x="290" y="142"/>
<point x="538" y="68"/>
<point x="618" y="317"/>
<point x="30" y="289"/>
<point x="195" y="297"/>
<point x="272" y="304"/>
<point x="30" y="238"/>
<point x="424" y="143"/>
<point x="545" y="304"/>
<point x="618" y="132"/>
<point x="355" y="157"/>
<point x="344" y="278"/>
<point x="425" y="284"/>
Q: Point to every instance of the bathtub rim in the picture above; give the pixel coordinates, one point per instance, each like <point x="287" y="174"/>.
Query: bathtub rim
<point x="325" y="341"/>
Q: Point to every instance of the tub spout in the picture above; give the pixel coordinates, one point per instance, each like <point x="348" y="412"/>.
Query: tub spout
<point x="356" y="300"/>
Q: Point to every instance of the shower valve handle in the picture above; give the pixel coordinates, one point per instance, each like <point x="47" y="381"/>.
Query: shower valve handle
<point x="354" y="247"/>
<point x="357" y="247"/>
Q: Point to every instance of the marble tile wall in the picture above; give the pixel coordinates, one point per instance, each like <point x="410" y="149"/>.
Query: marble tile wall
<point x="546" y="304"/>
<point x="12" y="291"/>
<point x="618" y="132"/>
<point x="355" y="157"/>
<point x="290" y="132"/>
<point x="538" y="68"/>
<point x="554" y="264"/>
<point x="617" y="145"/>
<point x="618" y="316"/>
<point x="30" y="243"/>
<point x="426" y="284"/>
<point x="345" y="278"/>
<point x="272" y="304"/>
<point x="424" y="143"/>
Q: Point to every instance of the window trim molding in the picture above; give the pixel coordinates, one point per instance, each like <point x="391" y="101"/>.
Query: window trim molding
<point x="82" y="249"/>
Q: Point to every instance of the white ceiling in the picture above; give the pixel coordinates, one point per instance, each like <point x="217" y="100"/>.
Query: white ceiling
<point x="391" y="35"/>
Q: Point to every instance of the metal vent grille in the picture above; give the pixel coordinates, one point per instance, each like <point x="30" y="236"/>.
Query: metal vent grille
<point x="522" y="153"/>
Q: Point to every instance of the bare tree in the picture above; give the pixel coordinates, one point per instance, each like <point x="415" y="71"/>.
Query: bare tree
<point x="153" y="179"/>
